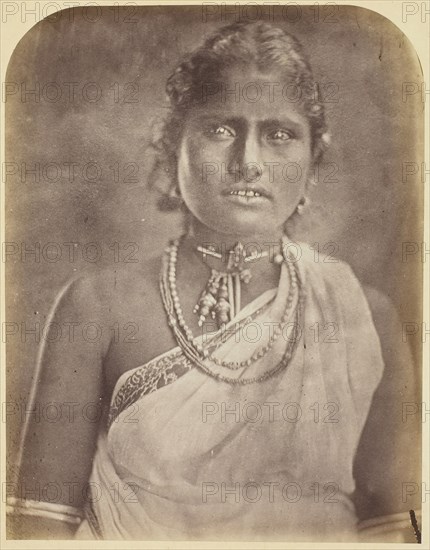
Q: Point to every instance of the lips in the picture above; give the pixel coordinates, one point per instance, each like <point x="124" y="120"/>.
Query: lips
<point x="247" y="191"/>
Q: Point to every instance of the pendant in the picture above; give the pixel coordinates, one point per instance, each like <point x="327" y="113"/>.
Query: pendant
<point x="208" y="298"/>
<point x="236" y="257"/>
<point x="221" y="297"/>
<point x="222" y="306"/>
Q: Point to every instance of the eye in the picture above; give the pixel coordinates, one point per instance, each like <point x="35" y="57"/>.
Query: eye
<point x="280" y="135"/>
<point x="220" y="132"/>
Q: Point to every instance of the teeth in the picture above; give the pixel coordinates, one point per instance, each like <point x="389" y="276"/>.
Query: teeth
<point x="248" y="193"/>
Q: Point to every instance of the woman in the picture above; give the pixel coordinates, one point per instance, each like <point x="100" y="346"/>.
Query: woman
<point x="178" y="453"/>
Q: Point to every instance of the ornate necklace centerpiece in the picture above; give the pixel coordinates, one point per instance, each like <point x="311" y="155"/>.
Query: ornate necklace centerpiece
<point x="221" y="297"/>
<point x="194" y="349"/>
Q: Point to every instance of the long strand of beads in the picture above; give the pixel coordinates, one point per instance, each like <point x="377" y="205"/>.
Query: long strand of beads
<point x="259" y="353"/>
<point x="193" y="353"/>
<point x="172" y="251"/>
<point x="195" y="359"/>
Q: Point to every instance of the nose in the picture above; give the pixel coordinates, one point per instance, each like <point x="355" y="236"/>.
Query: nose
<point x="251" y="172"/>
<point x="247" y="158"/>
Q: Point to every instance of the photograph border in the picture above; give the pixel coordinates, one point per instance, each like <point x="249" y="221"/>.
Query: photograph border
<point x="416" y="26"/>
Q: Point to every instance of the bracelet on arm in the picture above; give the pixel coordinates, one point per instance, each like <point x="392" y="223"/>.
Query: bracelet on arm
<point x="394" y="525"/>
<point x="48" y="510"/>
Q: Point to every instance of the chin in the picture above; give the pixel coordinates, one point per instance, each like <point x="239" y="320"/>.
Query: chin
<point x="238" y="222"/>
<point x="242" y="228"/>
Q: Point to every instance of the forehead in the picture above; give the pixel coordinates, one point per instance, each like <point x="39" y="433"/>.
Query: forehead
<point x="247" y="93"/>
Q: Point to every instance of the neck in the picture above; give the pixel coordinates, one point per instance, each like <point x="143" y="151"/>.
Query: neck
<point x="265" y="246"/>
<point x="201" y="235"/>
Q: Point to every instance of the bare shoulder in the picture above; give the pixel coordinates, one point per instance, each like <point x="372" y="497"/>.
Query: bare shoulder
<point x="386" y="433"/>
<point x="98" y="308"/>
<point x="399" y="364"/>
<point x="104" y="290"/>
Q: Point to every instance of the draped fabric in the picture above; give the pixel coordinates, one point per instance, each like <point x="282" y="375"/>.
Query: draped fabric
<point x="186" y="456"/>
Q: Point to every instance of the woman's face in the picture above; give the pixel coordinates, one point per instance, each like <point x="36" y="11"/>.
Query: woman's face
<point x="245" y="154"/>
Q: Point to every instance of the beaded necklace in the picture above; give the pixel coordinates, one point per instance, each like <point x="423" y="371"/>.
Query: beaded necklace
<point x="196" y="353"/>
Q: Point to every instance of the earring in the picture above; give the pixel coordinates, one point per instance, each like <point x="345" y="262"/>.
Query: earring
<point x="326" y="138"/>
<point x="301" y="206"/>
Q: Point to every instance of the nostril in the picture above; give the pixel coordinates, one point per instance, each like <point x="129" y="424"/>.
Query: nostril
<point x="248" y="172"/>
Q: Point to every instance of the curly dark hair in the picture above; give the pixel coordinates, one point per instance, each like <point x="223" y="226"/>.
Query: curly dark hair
<point x="258" y="43"/>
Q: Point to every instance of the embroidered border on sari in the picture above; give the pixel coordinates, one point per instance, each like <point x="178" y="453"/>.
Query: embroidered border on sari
<point x="147" y="379"/>
<point x="164" y="370"/>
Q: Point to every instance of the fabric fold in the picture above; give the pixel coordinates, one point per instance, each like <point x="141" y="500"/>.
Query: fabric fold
<point x="208" y="460"/>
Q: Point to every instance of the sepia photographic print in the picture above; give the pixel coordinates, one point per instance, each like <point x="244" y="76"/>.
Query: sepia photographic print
<point x="215" y="261"/>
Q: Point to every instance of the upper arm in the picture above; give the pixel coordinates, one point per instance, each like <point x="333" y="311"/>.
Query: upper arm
<point x="400" y="381"/>
<point x="388" y="455"/>
<point x="62" y="417"/>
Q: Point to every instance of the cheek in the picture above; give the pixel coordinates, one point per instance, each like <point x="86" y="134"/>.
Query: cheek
<point x="189" y="164"/>
<point x="195" y="175"/>
<point x="200" y="166"/>
<point x="292" y="171"/>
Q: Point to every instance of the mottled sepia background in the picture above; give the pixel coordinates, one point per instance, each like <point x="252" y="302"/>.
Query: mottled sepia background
<point x="367" y="208"/>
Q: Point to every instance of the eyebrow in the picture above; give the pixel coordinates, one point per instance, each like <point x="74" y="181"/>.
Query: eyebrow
<point x="280" y="122"/>
<point x="241" y="121"/>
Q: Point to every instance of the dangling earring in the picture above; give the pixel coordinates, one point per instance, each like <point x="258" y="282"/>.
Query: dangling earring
<point x="301" y="206"/>
<point x="289" y="223"/>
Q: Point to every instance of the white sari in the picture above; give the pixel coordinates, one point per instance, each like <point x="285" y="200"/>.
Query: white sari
<point x="185" y="456"/>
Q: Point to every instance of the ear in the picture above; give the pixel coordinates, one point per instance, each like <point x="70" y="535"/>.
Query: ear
<point x="320" y="147"/>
